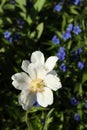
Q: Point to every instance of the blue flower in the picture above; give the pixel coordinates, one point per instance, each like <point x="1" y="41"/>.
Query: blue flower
<point x="86" y="104"/>
<point x="76" y="2"/>
<point x="80" y="65"/>
<point x="58" y="8"/>
<point x="66" y="35"/>
<point x="20" y="23"/>
<point x="36" y="104"/>
<point x="76" y="29"/>
<point x="62" y="48"/>
<point x="63" y="67"/>
<point x="70" y="27"/>
<point x="55" y="39"/>
<point x="74" y="101"/>
<point x="77" y="117"/>
<point x="78" y="51"/>
<point x="10" y="39"/>
<point x="7" y="34"/>
<point x="61" y="53"/>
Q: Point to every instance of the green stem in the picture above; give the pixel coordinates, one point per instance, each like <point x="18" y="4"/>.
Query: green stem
<point x="29" y="126"/>
<point x="26" y="120"/>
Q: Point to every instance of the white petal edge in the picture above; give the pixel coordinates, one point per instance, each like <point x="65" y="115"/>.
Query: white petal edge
<point x="37" y="57"/>
<point x="25" y="64"/>
<point x="26" y="99"/>
<point x="50" y="62"/>
<point x="53" y="72"/>
<point x="21" y="81"/>
<point x="45" y="98"/>
<point x="52" y="82"/>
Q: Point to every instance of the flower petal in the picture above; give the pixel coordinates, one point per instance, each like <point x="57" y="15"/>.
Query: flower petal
<point x="50" y="62"/>
<point x="41" y="71"/>
<point x="53" y="72"/>
<point x="21" y="81"/>
<point x="37" y="57"/>
<point x="32" y="71"/>
<point x="52" y="82"/>
<point x="27" y="99"/>
<point x="25" y="65"/>
<point x="45" y="98"/>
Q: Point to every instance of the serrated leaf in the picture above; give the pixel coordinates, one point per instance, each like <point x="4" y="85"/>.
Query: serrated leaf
<point x="39" y="5"/>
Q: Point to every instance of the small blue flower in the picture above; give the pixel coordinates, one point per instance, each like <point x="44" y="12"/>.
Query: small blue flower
<point x="76" y="29"/>
<point x="78" y="51"/>
<point x="61" y="54"/>
<point x="10" y="39"/>
<point x="63" y="67"/>
<point x="77" y="117"/>
<point x="76" y="2"/>
<point x="55" y="39"/>
<point x="62" y="48"/>
<point x="58" y="8"/>
<point x="86" y="104"/>
<point x="36" y="104"/>
<point x="66" y="35"/>
<point x="74" y="101"/>
<point x="20" y="23"/>
<point x="7" y="34"/>
<point x="70" y="27"/>
<point x="80" y="65"/>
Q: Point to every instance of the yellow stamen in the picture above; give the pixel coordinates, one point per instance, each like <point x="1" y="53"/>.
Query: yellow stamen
<point x="37" y="85"/>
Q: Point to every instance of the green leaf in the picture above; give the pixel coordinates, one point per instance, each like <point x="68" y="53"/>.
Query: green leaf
<point x="21" y="2"/>
<point x="48" y="119"/>
<point x="39" y="5"/>
<point x="1" y="21"/>
<point x="29" y="20"/>
<point x="1" y="5"/>
<point x="69" y="45"/>
<point x="40" y="28"/>
<point x="9" y="7"/>
<point x="73" y="10"/>
<point x="64" y="21"/>
<point x="84" y="78"/>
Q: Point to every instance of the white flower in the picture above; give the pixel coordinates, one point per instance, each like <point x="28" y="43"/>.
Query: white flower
<point x="38" y="81"/>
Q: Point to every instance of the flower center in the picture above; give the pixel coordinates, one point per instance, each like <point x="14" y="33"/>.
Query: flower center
<point x="37" y="85"/>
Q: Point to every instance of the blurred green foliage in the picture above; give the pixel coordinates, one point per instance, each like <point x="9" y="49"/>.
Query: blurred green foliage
<point x="32" y="24"/>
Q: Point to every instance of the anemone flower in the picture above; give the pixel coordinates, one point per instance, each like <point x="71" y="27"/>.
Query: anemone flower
<point x="37" y="81"/>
